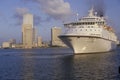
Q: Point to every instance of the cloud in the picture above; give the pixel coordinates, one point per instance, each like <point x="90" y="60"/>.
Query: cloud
<point x="57" y="9"/>
<point x="19" y="12"/>
<point x="37" y="20"/>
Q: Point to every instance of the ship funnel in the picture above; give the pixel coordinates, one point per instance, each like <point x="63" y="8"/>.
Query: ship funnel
<point x="91" y="11"/>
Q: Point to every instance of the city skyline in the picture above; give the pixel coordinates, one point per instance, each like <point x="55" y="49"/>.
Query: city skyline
<point x="49" y="13"/>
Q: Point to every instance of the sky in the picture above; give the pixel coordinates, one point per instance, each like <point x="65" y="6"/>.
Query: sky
<point x="50" y="13"/>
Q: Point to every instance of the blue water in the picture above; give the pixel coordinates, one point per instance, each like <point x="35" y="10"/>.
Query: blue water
<point x="58" y="64"/>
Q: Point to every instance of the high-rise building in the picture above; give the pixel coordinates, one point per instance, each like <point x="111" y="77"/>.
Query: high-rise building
<point x="39" y="41"/>
<point x="34" y="37"/>
<point x="27" y="31"/>
<point x="55" y="40"/>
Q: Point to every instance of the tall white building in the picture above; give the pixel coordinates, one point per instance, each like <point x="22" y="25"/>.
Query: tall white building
<point x="28" y="19"/>
<point x="27" y="31"/>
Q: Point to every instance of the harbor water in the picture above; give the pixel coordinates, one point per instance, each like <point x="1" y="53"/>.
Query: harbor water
<point x="58" y="64"/>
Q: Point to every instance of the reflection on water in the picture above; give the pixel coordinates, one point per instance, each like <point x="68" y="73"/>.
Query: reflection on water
<point x="58" y="64"/>
<point x="28" y="67"/>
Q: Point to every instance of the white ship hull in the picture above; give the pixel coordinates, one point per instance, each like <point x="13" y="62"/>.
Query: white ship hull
<point x="88" y="44"/>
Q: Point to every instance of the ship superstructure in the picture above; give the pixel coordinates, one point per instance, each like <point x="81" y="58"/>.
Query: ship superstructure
<point x="89" y="34"/>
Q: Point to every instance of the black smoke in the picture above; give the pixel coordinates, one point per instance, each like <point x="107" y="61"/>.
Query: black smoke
<point x="99" y="6"/>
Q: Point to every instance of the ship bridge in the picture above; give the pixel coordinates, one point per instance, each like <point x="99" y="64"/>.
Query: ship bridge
<point x="91" y="19"/>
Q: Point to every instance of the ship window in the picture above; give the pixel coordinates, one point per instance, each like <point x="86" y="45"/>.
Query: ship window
<point x="89" y="23"/>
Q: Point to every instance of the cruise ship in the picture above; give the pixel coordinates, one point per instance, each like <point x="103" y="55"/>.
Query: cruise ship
<point x="90" y="34"/>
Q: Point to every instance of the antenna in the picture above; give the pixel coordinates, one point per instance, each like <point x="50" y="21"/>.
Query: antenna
<point x="77" y="16"/>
